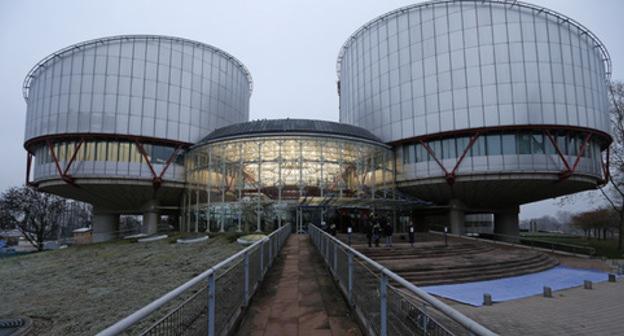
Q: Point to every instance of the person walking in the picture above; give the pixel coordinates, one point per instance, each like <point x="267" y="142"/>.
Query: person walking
<point x="410" y="232"/>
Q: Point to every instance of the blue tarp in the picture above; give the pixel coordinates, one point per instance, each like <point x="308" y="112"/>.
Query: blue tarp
<point x="517" y="287"/>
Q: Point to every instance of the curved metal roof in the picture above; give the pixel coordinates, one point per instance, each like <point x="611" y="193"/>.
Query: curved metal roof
<point x="509" y="3"/>
<point x="282" y="126"/>
<point x="89" y="43"/>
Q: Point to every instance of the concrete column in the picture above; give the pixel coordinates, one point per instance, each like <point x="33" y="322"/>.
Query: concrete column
<point x="506" y="221"/>
<point x="105" y="226"/>
<point x="457" y="217"/>
<point x="151" y="217"/>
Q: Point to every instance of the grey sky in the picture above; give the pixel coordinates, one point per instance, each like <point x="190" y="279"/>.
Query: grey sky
<point x="290" y="47"/>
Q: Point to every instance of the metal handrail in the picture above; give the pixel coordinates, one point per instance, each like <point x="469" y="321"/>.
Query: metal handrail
<point x="127" y="322"/>
<point x="453" y="314"/>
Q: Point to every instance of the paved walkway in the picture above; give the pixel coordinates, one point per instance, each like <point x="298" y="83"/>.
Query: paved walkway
<point x="298" y="297"/>
<point x="574" y="311"/>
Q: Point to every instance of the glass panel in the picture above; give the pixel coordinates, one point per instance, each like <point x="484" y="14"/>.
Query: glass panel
<point x="449" y="149"/>
<point x="100" y="151"/>
<point x="537" y="143"/>
<point x="113" y="152"/>
<point x="494" y="144"/>
<point x="509" y="144"/>
<point x="124" y="152"/>
<point x="524" y="143"/>
<point x="160" y="154"/>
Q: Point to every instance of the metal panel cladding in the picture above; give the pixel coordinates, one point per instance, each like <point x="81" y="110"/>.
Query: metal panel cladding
<point x="450" y="65"/>
<point x="149" y="86"/>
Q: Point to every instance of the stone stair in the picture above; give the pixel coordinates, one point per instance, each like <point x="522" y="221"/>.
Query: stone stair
<point x="437" y="264"/>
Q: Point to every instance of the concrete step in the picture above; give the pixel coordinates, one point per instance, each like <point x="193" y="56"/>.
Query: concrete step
<point x="432" y="267"/>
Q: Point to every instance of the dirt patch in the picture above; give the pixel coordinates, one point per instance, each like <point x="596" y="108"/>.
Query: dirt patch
<point x="83" y="289"/>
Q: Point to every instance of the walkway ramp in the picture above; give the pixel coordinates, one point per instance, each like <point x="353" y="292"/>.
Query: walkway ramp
<point x="298" y="297"/>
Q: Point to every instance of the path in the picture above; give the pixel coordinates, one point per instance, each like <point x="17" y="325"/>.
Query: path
<point x="298" y="297"/>
<point x="574" y="311"/>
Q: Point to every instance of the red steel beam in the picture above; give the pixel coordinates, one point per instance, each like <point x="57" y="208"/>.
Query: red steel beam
<point x="56" y="161"/>
<point x="558" y="150"/>
<point x="169" y="161"/>
<point x="471" y="143"/>
<point x="510" y="128"/>
<point x="73" y="157"/>
<point x="147" y="158"/>
<point x="435" y="158"/>
<point x="581" y="152"/>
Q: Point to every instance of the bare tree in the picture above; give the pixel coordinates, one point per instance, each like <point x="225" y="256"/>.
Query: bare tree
<point x="614" y="192"/>
<point x="36" y="214"/>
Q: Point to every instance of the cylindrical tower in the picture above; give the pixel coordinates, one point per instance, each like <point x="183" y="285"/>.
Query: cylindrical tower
<point x="108" y="119"/>
<point x="489" y="104"/>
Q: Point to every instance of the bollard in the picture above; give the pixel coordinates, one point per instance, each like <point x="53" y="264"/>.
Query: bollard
<point x="445" y="236"/>
<point x="611" y="277"/>
<point x="487" y="299"/>
<point x="547" y="292"/>
<point x="587" y="284"/>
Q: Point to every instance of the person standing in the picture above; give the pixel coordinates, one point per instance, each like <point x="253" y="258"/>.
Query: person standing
<point x="388" y="231"/>
<point x="376" y="233"/>
<point x="368" y="229"/>
<point x="410" y="232"/>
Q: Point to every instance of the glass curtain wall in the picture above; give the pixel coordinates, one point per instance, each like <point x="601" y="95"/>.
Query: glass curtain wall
<point x="251" y="183"/>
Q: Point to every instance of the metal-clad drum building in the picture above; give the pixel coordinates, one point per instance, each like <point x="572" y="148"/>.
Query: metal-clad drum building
<point x="488" y="104"/>
<point x="108" y="119"/>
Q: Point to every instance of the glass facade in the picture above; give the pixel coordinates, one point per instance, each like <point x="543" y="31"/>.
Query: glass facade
<point x="148" y="86"/>
<point x="452" y="65"/>
<point x="106" y="151"/>
<point x="501" y="152"/>
<point x="106" y="158"/>
<point x="268" y="173"/>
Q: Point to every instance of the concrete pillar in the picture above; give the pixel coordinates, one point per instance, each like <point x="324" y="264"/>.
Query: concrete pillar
<point x="105" y="226"/>
<point x="506" y="221"/>
<point x="151" y="218"/>
<point x="457" y="217"/>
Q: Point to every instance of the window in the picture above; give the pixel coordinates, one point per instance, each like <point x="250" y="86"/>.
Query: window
<point x="100" y="151"/>
<point x="524" y="143"/>
<point x="406" y="154"/>
<point x="537" y="143"/>
<point x="478" y="148"/>
<point x="112" y="152"/>
<point x="448" y="149"/>
<point x="509" y="144"/>
<point x="493" y="144"/>
<point x="161" y="154"/>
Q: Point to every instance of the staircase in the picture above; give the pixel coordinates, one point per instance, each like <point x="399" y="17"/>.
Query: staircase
<point x="433" y="263"/>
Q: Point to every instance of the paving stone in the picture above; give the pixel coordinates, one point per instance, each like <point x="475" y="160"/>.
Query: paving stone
<point x="298" y="297"/>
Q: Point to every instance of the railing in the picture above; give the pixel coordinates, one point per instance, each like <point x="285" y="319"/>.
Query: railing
<point x="387" y="304"/>
<point x="212" y="302"/>
<point x="540" y="243"/>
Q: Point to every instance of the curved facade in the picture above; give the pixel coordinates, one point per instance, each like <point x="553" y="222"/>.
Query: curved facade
<point x="262" y="167"/>
<point x="114" y="115"/>
<point x="450" y="65"/>
<point x="486" y="103"/>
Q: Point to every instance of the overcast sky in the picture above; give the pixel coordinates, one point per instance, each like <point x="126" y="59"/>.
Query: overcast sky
<point x="290" y="48"/>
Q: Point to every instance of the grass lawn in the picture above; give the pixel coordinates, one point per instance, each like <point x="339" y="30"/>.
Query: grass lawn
<point x="604" y="248"/>
<point x="82" y="289"/>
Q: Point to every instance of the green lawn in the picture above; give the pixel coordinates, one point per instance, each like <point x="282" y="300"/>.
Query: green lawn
<point x="604" y="248"/>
